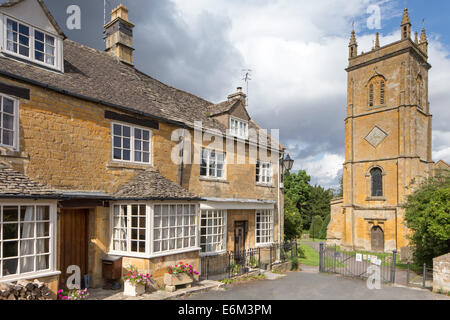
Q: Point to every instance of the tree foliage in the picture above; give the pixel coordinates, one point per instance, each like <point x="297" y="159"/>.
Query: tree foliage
<point x="297" y="193"/>
<point x="323" y="231"/>
<point x="428" y="217"/>
<point x="316" y="226"/>
<point x="302" y="202"/>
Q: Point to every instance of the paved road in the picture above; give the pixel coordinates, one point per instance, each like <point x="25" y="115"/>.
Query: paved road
<point x="314" y="286"/>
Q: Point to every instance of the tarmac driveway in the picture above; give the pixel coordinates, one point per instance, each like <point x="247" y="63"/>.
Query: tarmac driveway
<point x="314" y="286"/>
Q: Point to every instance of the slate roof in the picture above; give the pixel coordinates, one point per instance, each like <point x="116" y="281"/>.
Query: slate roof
<point x="14" y="184"/>
<point x="151" y="185"/>
<point x="96" y="76"/>
<point x="223" y="107"/>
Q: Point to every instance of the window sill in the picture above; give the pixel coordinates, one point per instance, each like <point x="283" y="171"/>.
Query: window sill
<point x="114" y="165"/>
<point x="375" y="199"/>
<point x="265" y="185"/>
<point x="44" y="274"/>
<point x="214" y="180"/>
<point x="155" y="255"/>
<point x="10" y="152"/>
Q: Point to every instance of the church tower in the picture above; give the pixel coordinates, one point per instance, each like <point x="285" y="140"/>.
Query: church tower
<point x="387" y="141"/>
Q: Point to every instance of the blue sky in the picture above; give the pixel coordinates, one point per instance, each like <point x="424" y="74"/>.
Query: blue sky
<point x="297" y="49"/>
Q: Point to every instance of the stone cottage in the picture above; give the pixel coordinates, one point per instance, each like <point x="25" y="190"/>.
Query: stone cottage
<point x="98" y="158"/>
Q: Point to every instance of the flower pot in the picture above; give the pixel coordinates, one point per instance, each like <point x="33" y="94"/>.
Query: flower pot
<point x="132" y="290"/>
<point x="179" y="279"/>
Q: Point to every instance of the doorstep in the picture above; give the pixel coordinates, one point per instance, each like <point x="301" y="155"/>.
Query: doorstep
<point x="199" y="287"/>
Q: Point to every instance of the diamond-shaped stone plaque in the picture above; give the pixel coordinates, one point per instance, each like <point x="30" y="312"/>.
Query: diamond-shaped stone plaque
<point x="376" y="136"/>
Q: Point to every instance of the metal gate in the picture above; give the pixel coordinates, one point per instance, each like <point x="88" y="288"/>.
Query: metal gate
<point x="357" y="264"/>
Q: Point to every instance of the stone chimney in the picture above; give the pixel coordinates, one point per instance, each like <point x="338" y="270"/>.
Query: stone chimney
<point x="119" y="35"/>
<point x="239" y="95"/>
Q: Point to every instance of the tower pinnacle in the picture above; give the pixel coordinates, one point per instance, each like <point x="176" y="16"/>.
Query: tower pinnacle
<point x="406" y="25"/>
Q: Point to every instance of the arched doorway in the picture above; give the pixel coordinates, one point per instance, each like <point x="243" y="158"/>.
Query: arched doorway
<point x="377" y="239"/>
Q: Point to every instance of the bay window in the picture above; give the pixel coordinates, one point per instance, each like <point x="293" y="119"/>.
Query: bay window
<point x="131" y="144"/>
<point x="212" y="231"/>
<point x="175" y="227"/>
<point x="264" y="227"/>
<point x="129" y="228"/>
<point x="146" y="230"/>
<point x="212" y="164"/>
<point x="26" y="239"/>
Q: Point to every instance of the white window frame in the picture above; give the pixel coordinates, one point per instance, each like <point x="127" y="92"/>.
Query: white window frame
<point x="208" y="164"/>
<point x="270" y="228"/>
<point x="265" y="173"/>
<point x="238" y="132"/>
<point x="51" y="270"/>
<point x="132" y="143"/>
<point x="222" y="225"/>
<point x="128" y="228"/>
<point x="58" y="55"/>
<point x="150" y="252"/>
<point x="16" y="130"/>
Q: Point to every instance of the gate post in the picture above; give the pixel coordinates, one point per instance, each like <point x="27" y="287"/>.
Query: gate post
<point x="321" y="257"/>
<point x="424" y="275"/>
<point x="407" y="275"/>
<point x="394" y="256"/>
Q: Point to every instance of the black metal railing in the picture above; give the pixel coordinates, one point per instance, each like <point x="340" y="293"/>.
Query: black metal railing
<point x="236" y="263"/>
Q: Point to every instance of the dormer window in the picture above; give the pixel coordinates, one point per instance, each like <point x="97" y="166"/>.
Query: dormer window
<point x="27" y="42"/>
<point x="239" y="128"/>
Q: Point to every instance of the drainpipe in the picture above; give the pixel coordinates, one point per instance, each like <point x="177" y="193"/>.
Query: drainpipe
<point x="180" y="171"/>
<point x="279" y="202"/>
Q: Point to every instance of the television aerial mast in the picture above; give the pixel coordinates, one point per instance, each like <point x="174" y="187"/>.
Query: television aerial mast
<point x="247" y="77"/>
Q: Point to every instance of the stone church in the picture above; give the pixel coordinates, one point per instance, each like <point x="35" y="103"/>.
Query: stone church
<point x="388" y="141"/>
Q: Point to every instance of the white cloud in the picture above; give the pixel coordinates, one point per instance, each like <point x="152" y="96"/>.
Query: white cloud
<point x="298" y="51"/>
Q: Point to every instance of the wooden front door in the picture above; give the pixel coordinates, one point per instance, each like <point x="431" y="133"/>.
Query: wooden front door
<point x="240" y="234"/>
<point x="377" y="238"/>
<point x="74" y="242"/>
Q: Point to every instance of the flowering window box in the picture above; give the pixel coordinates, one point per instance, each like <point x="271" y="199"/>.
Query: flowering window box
<point x="180" y="275"/>
<point x="180" y="279"/>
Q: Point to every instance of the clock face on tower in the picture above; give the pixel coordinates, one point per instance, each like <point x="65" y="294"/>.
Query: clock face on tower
<point x="376" y="136"/>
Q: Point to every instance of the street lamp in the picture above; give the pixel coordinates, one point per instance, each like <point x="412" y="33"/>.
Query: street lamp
<point x="288" y="163"/>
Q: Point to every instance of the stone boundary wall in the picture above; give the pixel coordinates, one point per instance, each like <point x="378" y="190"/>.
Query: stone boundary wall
<point x="441" y="274"/>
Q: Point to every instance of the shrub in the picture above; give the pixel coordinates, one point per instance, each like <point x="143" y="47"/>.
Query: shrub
<point x="323" y="231"/>
<point x="294" y="264"/>
<point x="316" y="226"/>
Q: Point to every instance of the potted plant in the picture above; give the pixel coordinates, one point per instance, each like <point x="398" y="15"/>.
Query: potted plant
<point x="181" y="274"/>
<point x="135" y="282"/>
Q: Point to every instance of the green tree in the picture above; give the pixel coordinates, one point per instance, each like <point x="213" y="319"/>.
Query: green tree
<point x="323" y="231"/>
<point x="316" y="226"/>
<point x="428" y="217"/>
<point x="319" y="202"/>
<point x="296" y="197"/>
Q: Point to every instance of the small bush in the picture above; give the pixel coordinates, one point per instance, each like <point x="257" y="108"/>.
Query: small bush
<point x="294" y="264"/>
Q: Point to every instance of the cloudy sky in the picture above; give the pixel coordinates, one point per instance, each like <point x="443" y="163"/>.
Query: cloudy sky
<point x="297" y="50"/>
